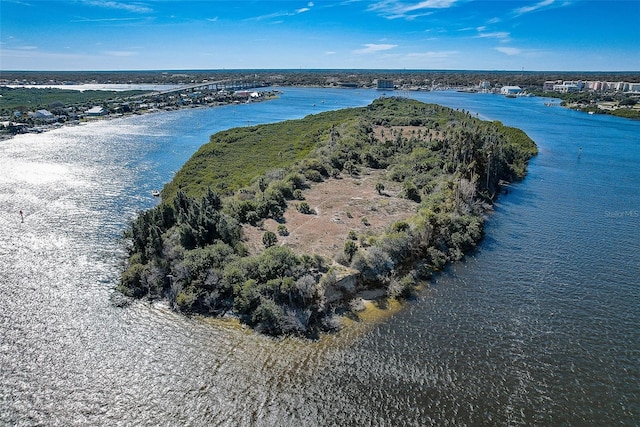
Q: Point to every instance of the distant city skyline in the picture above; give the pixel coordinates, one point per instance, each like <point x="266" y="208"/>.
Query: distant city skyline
<point x="538" y="35"/>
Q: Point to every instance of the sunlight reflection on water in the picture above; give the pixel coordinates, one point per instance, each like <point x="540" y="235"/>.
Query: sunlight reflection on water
<point x="540" y="326"/>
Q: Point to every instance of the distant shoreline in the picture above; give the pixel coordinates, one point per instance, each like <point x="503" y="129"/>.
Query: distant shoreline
<point x="410" y="80"/>
<point x="45" y="127"/>
<point x="528" y="80"/>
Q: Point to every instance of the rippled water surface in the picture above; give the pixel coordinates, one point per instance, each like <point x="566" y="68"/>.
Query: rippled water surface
<point x="541" y="326"/>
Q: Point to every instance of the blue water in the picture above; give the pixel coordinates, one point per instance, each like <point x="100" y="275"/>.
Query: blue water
<point x="540" y="326"/>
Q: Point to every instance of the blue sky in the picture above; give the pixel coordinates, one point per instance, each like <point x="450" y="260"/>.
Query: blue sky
<point x="537" y="35"/>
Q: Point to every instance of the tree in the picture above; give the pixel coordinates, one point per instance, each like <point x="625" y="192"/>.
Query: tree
<point x="269" y="239"/>
<point x="628" y="102"/>
<point x="211" y="200"/>
<point x="350" y="248"/>
<point x="268" y="316"/>
<point x="351" y="168"/>
<point x="380" y="188"/>
<point x="297" y="194"/>
<point x="411" y="192"/>
<point x="262" y="183"/>
<point x="131" y="282"/>
<point x="282" y="230"/>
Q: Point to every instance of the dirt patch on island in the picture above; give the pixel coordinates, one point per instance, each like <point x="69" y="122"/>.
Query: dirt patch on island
<point x="340" y="205"/>
<point x="389" y="133"/>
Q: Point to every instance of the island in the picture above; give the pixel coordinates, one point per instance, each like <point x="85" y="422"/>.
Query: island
<point x="290" y="226"/>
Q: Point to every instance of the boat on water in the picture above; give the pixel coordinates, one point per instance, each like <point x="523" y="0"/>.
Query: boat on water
<point x="155" y="193"/>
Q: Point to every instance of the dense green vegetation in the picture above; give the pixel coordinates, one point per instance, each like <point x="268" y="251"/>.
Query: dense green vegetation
<point x="189" y="249"/>
<point x="30" y="99"/>
<point x="235" y="157"/>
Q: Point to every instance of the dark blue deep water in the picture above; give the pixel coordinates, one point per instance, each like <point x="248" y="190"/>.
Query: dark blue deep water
<point x="540" y="326"/>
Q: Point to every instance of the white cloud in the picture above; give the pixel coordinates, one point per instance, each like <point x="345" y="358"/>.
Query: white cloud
<point x="509" y="50"/>
<point x="373" y="48"/>
<point x="120" y="53"/>
<point x="39" y="55"/>
<point x="393" y="9"/>
<point x="444" y="54"/>
<point x="330" y="52"/>
<point x="533" y="8"/>
<point x="119" y="5"/>
<point x="269" y="16"/>
<point x="502" y="35"/>
<point x="429" y="4"/>
<point x="282" y="13"/>
<point x="22" y="3"/>
<point x="62" y="60"/>
<point x="305" y="9"/>
<point x="106" y="19"/>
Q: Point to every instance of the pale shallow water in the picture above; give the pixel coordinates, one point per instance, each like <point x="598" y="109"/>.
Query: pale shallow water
<point x="539" y="327"/>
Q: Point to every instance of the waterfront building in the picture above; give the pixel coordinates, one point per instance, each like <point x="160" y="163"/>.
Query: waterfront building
<point x="385" y="84"/>
<point x="246" y="94"/>
<point x="578" y="83"/>
<point x="43" y="115"/>
<point x="566" y="88"/>
<point x="599" y="86"/>
<point x="510" y="90"/>
<point x="549" y="84"/>
<point x="621" y="86"/>
<point x="96" y="111"/>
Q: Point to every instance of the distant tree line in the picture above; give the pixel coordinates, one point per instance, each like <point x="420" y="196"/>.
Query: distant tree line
<point x="529" y="79"/>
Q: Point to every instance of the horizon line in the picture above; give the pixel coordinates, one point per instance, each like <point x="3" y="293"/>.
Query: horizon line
<point x="396" y="70"/>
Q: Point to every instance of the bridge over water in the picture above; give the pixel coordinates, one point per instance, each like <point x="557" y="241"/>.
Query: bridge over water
<point x="228" y="84"/>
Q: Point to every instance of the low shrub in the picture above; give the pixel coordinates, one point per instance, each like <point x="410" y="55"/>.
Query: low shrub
<point x="304" y="208"/>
